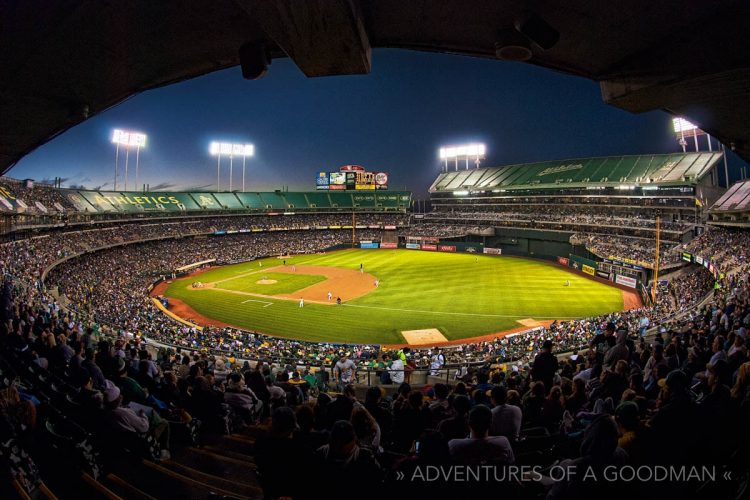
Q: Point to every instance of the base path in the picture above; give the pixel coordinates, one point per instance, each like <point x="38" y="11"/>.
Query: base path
<point x="345" y="283"/>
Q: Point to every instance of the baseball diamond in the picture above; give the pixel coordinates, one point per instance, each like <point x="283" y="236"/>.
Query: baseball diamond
<point x="459" y="295"/>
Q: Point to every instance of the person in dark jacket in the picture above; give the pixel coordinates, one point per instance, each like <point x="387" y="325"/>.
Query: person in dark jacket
<point x="545" y="365"/>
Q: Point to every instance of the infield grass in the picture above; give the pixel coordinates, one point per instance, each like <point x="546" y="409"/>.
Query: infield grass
<point x="285" y="282"/>
<point x="462" y="295"/>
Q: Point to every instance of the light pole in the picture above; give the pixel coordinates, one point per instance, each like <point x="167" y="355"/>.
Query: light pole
<point x="247" y="150"/>
<point x="228" y="149"/>
<point x="127" y="155"/>
<point x="216" y="150"/>
<point x="475" y="151"/>
<point x="127" y="140"/>
<point x="117" y="154"/>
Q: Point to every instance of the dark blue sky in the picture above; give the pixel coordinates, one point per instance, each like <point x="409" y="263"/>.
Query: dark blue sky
<point x="393" y="119"/>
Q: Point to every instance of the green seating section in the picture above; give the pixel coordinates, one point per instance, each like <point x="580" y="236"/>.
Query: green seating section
<point x="664" y="169"/>
<point x="295" y="200"/>
<point x="318" y="200"/>
<point x="134" y="202"/>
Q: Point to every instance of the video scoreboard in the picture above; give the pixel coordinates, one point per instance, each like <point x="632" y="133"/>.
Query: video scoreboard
<point x="351" y="177"/>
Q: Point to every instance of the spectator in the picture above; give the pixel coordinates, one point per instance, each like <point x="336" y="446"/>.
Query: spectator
<point x="598" y="450"/>
<point x="457" y="426"/>
<point x="124" y="419"/>
<point x="273" y="452"/>
<point x="619" y="351"/>
<point x="366" y="429"/>
<point x="480" y="448"/>
<point x="241" y="399"/>
<point x="378" y="410"/>
<point x="506" y="419"/>
<point x="395" y="370"/>
<point x="352" y="466"/>
<point x="440" y="409"/>
<point x="545" y="365"/>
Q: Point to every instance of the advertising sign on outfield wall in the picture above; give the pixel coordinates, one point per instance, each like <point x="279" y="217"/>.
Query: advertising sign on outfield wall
<point x="432" y="248"/>
<point x="368" y="244"/>
<point x="493" y="251"/>
<point x="447" y="248"/>
<point x="625" y="280"/>
<point x="388" y="245"/>
<point x="413" y="246"/>
<point x="602" y="274"/>
<point x="588" y="270"/>
<point x="563" y="261"/>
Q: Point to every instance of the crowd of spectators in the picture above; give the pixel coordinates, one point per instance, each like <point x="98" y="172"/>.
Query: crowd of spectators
<point x="49" y="196"/>
<point x="729" y="249"/>
<point x="635" y="250"/>
<point x="420" y="228"/>
<point x="563" y="214"/>
<point x="681" y="398"/>
<point x="619" y="401"/>
<point x="120" y="298"/>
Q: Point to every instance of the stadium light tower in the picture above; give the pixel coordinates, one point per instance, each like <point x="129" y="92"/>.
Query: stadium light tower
<point x="680" y="126"/>
<point x="128" y="140"/>
<point x="228" y="149"/>
<point x="475" y="151"/>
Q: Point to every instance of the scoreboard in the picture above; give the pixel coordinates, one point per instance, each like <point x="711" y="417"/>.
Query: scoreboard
<point x="351" y="177"/>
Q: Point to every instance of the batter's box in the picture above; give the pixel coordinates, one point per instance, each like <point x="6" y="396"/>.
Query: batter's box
<point x="422" y="337"/>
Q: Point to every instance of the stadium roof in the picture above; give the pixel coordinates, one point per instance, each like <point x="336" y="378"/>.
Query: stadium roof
<point x="735" y="200"/>
<point x="665" y="169"/>
<point x="63" y="62"/>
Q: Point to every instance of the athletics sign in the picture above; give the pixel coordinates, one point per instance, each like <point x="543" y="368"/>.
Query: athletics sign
<point x="625" y="280"/>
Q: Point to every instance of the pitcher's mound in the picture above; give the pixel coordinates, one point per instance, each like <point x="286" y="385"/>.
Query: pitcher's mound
<point x="422" y="337"/>
<point x="266" y="282"/>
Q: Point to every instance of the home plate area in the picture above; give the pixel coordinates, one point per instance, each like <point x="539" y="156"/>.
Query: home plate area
<point x="422" y="337"/>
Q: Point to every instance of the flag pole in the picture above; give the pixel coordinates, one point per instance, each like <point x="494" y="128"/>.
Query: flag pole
<point x="656" y="261"/>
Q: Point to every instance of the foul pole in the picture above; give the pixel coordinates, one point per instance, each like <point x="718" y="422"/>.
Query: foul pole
<point x="656" y="261"/>
<point x="354" y="226"/>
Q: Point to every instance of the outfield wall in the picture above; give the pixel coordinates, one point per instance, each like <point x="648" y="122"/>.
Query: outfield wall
<point x="535" y="243"/>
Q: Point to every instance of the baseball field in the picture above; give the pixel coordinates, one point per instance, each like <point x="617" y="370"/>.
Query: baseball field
<point x="388" y="296"/>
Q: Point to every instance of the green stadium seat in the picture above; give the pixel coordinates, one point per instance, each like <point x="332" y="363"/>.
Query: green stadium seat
<point x="273" y="200"/>
<point x="318" y="199"/>
<point x="228" y="200"/>
<point x="295" y="200"/>
<point x="252" y="200"/>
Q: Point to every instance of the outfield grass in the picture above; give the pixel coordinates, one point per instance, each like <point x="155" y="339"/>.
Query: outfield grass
<point x="462" y="295"/>
<point x="285" y="282"/>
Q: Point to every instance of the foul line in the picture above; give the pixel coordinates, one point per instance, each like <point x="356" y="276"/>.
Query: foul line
<point x="257" y="271"/>
<point x="456" y="313"/>
<point x="261" y="301"/>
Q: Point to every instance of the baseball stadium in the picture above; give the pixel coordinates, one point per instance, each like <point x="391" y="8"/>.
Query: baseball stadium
<point x="515" y="327"/>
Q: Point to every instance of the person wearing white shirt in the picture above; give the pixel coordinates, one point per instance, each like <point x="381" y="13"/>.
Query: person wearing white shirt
<point x="396" y="369"/>
<point x="643" y="325"/>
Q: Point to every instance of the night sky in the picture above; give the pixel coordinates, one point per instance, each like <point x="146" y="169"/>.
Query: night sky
<point x="393" y="120"/>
